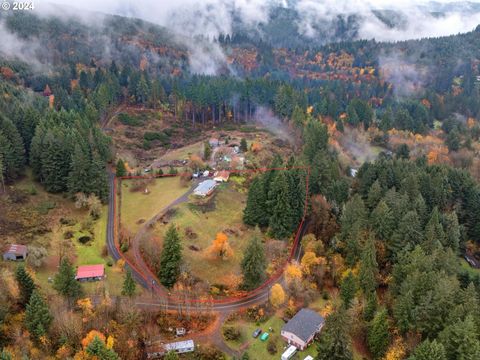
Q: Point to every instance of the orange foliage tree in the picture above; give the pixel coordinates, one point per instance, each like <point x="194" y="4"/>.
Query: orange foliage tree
<point x="220" y="247"/>
<point x="277" y="295"/>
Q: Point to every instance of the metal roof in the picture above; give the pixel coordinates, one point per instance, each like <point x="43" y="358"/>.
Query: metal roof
<point x="205" y="187"/>
<point x="304" y="324"/>
<point x="16" y="249"/>
<point x="90" y="271"/>
<point x="180" y="345"/>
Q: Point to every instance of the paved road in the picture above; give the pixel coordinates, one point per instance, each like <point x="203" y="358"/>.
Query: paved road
<point x="143" y="275"/>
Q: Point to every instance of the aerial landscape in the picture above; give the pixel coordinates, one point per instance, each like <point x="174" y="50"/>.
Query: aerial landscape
<point x="240" y="179"/>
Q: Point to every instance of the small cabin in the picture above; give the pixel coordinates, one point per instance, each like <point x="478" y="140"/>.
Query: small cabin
<point x="15" y="253"/>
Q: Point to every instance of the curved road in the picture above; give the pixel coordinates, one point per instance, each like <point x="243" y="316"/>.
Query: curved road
<point x="143" y="275"/>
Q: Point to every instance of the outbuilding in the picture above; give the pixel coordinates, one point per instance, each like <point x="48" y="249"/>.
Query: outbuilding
<point x="15" y="252"/>
<point x="180" y="347"/>
<point x="289" y="353"/>
<point x="90" y="272"/>
<point x="222" y="176"/>
<point x="302" y="328"/>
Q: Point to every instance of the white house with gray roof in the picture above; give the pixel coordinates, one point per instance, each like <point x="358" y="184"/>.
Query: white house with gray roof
<point x="205" y="188"/>
<point x="302" y="328"/>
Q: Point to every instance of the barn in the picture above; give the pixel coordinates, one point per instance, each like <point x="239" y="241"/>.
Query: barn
<point x="90" y="272"/>
<point x="15" y="253"/>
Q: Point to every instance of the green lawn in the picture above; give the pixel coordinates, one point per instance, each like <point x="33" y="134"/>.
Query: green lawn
<point x="227" y="214"/>
<point x="256" y="348"/>
<point x="138" y="205"/>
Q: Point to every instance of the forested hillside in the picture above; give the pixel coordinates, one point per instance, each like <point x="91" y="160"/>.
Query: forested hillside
<point x="386" y="235"/>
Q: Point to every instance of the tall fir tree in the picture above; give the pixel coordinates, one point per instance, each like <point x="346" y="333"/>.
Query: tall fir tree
<point x="171" y="258"/>
<point x="282" y="219"/>
<point x="334" y="344"/>
<point x="255" y="212"/>
<point x="461" y="340"/>
<point x="65" y="282"/>
<point x="368" y="266"/>
<point x="254" y="263"/>
<point x="348" y="288"/>
<point x="79" y="177"/>
<point x="378" y="337"/>
<point x="429" y="350"/>
<point x="25" y="284"/>
<point x="434" y="234"/>
<point x="97" y="349"/>
<point x="120" y="168"/>
<point x="129" y="285"/>
<point x="37" y="316"/>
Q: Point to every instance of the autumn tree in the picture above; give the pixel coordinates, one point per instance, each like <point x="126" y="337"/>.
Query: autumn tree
<point x="254" y="263"/>
<point x="98" y="349"/>
<point x="220" y="247"/>
<point x="37" y="316"/>
<point x="171" y="258"/>
<point x="277" y="295"/>
<point x="25" y="284"/>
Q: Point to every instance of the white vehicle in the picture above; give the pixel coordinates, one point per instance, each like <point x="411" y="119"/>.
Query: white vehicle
<point x="288" y="354"/>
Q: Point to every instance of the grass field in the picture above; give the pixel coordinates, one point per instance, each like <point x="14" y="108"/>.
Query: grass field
<point x="138" y="205"/>
<point x="184" y="152"/>
<point x="227" y="214"/>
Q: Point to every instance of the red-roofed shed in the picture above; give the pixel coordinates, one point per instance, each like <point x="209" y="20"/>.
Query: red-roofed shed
<point x="15" y="252"/>
<point x="90" y="272"/>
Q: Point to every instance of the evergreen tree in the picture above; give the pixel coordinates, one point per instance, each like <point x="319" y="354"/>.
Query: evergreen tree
<point x="243" y="145"/>
<point x="382" y="221"/>
<point x="4" y="355"/>
<point x="368" y="267"/>
<point x="429" y="350"/>
<point x="25" y="284"/>
<point x="402" y="152"/>
<point x="408" y="234"/>
<point x="121" y="169"/>
<point x="254" y="263"/>
<point x="370" y="306"/>
<point x="129" y="285"/>
<point x="378" y="337"/>
<point x="282" y="219"/>
<point x="348" y="288"/>
<point x="37" y="316"/>
<point x="334" y="344"/>
<point x="375" y="194"/>
<point x="452" y="231"/>
<point x="65" y="282"/>
<point x="434" y="234"/>
<point x="98" y="350"/>
<point x="461" y="340"/>
<point x="171" y="258"/>
<point x="99" y="179"/>
<point x="207" y="151"/>
<point x="255" y="212"/>
<point x="78" y="178"/>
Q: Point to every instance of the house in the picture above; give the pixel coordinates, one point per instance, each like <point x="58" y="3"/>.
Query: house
<point x="302" y="328"/>
<point x="308" y="358"/>
<point x="221" y="176"/>
<point x="180" y="347"/>
<point x="289" y="353"/>
<point x="205" y="188"/>
<point x="15" y="252"/>
<point x="90" y="272"/>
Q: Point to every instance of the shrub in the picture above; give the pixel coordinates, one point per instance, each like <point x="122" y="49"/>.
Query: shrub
<point x="272" y="347"/>
<point x="68" y="234"/>
<point x="109" y="263"/>
<point x="231" y="333"/>
<point x="126" y="119"/>
<point x="84" y="239"/>
<point x="124" y="247"/>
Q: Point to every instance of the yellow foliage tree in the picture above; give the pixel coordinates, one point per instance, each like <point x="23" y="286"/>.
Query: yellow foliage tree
<point x="309" y="260"/>
<point x="277" y="295"/>
<point x="86" y="306"/>
<point x="293" y="272"/>
<point x="220" y="247"/>
<point x="396" y="351"/>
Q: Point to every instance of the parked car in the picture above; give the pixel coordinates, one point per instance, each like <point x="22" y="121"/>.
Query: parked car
<point x="257" y="333"/>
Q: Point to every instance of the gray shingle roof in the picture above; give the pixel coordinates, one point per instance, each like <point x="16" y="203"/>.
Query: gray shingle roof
<point x="304" y="324"/>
